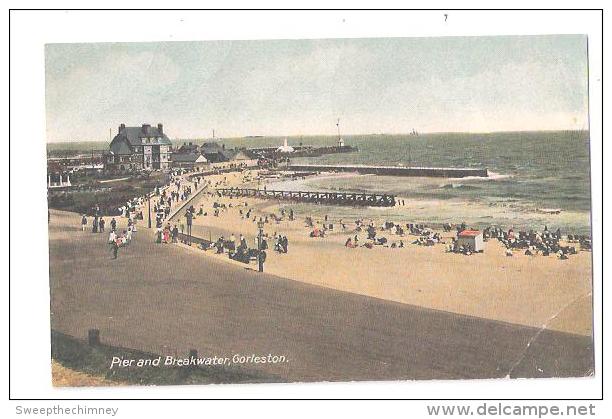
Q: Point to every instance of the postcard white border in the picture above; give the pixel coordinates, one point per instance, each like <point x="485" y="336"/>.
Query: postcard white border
<point x="30" y="31"/>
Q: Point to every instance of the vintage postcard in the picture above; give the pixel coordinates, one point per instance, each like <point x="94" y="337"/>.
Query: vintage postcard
<point x="319" y="210"/>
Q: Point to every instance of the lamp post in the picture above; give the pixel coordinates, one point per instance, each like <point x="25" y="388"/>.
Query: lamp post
<point x="189" y="216"/>
<point x="260" y="253"/>
<point x="149" y="205"/>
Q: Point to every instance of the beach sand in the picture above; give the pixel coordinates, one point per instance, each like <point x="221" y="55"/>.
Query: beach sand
<point x="66" y="377"/>
<point x="535" y="291"/>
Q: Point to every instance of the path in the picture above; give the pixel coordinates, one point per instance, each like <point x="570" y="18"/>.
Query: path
<point x="160" y="298"/>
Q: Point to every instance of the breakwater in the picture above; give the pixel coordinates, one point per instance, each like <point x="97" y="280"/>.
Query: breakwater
<point x="301" y="151"/>
<point x="332" y="198"/>
<point x="448" y="172"/>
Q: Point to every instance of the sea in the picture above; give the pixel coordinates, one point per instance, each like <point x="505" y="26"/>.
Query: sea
<point x="528" y="172"/>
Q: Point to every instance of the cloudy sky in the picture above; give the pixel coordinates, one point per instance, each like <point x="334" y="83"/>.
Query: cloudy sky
<point x="300" y="87"/>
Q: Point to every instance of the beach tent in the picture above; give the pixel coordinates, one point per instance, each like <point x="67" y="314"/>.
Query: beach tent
<point x="471" y="238"/>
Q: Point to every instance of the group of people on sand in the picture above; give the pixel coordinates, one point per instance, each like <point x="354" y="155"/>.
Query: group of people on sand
<point x="281" y="244"/>
<point x="237" y="248"/>
<point x="532" y="243"/>
<point x="527" y="242"/>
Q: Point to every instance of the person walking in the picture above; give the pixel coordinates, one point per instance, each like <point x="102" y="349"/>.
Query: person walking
<point x="102" y="222"/>
<point x="115" y="248"/>
<point x="166" y="235"/>
<point x="83" y="222"/>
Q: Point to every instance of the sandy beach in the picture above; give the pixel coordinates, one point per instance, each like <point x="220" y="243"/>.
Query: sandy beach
<point x="186" y="299"/>
<point x="534" y="291"/>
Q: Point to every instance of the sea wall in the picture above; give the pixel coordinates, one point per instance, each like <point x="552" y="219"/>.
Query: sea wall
<point x="449" y="172"/>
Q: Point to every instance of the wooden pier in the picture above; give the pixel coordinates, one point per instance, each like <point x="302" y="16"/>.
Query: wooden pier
<point x="331" y="198"/>
<point x="446" y="172"/>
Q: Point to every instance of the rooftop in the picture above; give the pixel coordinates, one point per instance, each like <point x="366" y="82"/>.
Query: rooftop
<point x="469" y="233"/>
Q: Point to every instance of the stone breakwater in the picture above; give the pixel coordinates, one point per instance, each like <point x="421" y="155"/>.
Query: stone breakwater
<point x="445" y="172"/>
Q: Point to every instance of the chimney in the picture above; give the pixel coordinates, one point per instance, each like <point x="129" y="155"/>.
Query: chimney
<point x="121" y="128"/>
<point x="145" y="128"/>
<point x="160" y="128"/>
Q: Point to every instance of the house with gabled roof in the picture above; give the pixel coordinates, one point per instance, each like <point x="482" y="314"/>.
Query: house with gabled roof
<point x="139" y="148"/>
<point x="215" y="153"/>
<point x="188" y="160"/>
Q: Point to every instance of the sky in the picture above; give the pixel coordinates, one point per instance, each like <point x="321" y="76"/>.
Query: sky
<point x="301" y="87"/>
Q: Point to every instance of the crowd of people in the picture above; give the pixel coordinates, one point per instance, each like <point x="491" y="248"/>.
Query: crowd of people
<point x="161" y="200"/>
<point x="388" y="234"/>
<point x="530" y="243"/>
<point x="533" y="243"/>
<point x="116" y="238"/>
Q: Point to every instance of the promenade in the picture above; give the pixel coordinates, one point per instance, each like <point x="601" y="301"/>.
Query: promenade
<point x="162" y="299"/>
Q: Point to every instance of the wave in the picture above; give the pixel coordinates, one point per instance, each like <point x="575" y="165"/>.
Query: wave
<point x="491" y="176"/>
<point x="458" y="186"/>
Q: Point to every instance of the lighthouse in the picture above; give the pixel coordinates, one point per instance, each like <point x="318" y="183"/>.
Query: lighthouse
<point x="340" y="140"/>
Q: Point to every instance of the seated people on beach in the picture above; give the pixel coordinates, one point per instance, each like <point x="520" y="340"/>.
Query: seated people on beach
<point x="219" y="245"/>
<point x="371" y="232"/>
<point x="284" y="244"/>
<point x="317" y="233"/>
<point x="349" y="243"/>
<point x="585" y="243"/>
<point x="241" y="255"/>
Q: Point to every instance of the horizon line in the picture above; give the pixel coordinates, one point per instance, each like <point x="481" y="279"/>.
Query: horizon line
<point x="335" y="135"/>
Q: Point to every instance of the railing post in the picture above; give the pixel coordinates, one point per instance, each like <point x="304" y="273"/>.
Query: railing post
<point x="93" y="337"/>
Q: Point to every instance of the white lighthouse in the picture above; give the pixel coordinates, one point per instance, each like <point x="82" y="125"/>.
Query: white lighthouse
<point x="340" y="140"/>
<point x="285" y="148"/>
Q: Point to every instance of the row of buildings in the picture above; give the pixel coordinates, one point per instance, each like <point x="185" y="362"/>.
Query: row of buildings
<point x="148" y="148"/>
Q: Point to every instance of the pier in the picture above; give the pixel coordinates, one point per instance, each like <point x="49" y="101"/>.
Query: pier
<point x="332" y="198"/>
<point x="301" y="151"/>
<point x="448" y="172"/>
